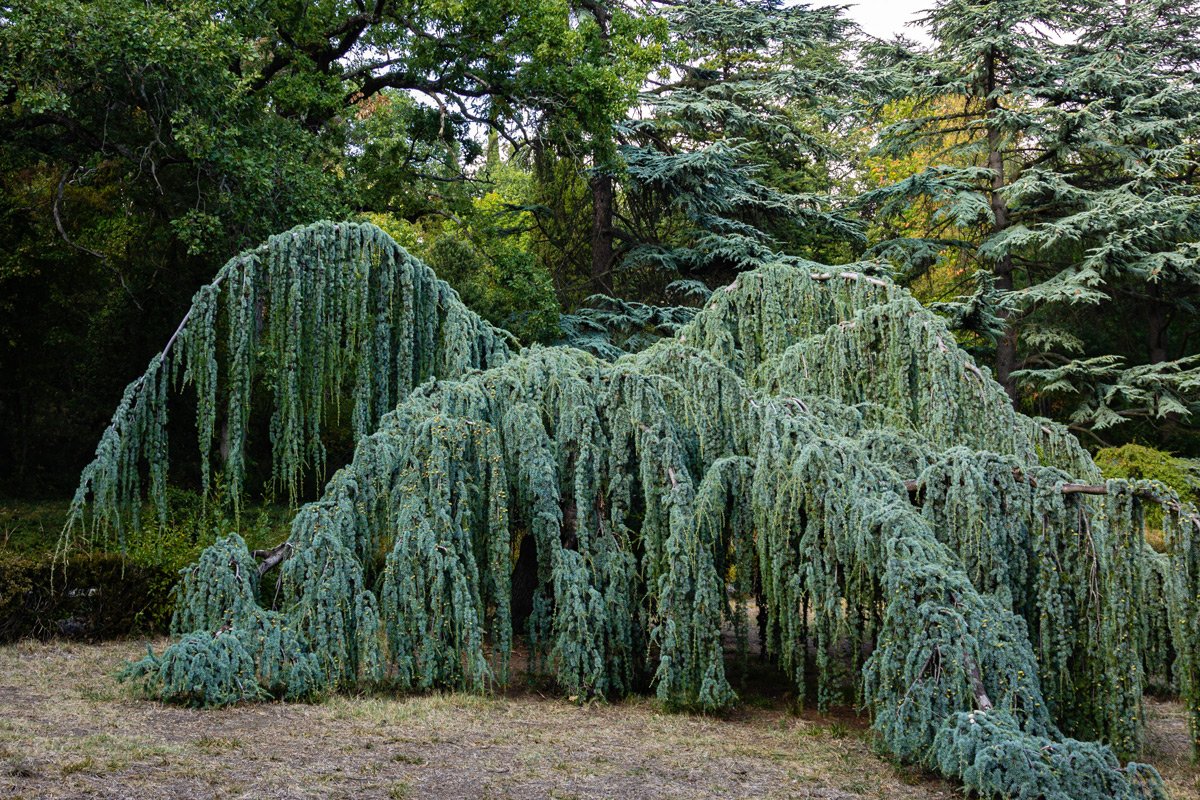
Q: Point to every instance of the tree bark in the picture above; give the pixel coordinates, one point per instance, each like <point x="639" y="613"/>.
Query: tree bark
<point x="916" y="495"/>
<point x="982" y="701"/>
<point x="1006" y="348"/>
<point x="273" y="557"/>
<point x="1156" y="324"/>
<point x="602" y="233"/>
<point x="601" y="182"/>
<point x="524" y="582"/>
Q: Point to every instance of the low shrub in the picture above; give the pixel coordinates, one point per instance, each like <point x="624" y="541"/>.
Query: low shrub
<point x="1135" y="461"/>
<point x="97" y="596"/>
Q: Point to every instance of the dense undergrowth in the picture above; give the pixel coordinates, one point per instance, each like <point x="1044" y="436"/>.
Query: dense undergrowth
<point x="100" y="593"/>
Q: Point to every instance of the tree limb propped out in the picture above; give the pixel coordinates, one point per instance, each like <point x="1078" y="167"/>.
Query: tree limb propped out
<point x="914" y="487"/>
<point x="273" y="557"/>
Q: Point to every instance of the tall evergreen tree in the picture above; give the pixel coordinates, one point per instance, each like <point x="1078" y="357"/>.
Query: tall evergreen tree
<point x="978" y="97"/>
<point x="729" y="163"/>
<point x="578" y="89"/>
<point x="1117" y="185"/>
<point x="1063" y="141"/>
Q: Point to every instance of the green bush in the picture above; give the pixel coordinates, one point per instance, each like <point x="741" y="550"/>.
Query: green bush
<point x="30" y="527"/>
<point x="1133" y="461"/>
<point x="506" y="285"/>
<point x="1136" y="461"/>
<point x="100" y="595"/>
<point x="97" y="596"/>
<point x="16" y="581"/>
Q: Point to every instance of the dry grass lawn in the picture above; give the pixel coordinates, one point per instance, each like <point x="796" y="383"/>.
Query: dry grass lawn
<point x="67" y="729"/>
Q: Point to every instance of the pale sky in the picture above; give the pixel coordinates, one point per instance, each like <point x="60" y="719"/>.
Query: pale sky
<point x="883" y="18"/>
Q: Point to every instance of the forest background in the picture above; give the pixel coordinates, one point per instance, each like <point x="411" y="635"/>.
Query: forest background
<point x="588" y="170"/>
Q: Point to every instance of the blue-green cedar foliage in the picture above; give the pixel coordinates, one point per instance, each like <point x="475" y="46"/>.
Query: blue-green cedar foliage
<point x="813" y="438"/>
<point x="331" y="313"/>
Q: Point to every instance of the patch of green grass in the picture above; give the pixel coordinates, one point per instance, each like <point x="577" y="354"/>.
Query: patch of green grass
<point x="85" y="764"/>
<point x="835" y="729"/>
<point x="98" y="694"/>
<point x="31" y="528"/>
<point x="406" y="758"/>
<point x="215" y="745"/>
<point x="838" y="729"/>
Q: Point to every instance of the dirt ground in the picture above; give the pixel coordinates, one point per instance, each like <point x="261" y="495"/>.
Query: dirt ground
<point x="67" y="729"/>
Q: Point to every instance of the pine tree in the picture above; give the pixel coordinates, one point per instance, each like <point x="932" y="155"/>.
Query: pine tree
<point x="1063" y="140"/>
<point x="1118" y="188"/>
<point x="731" y="158"/>
<point x="980" y="99"/>
<point x="821" y="431"/>
<point x="578" y="88"/>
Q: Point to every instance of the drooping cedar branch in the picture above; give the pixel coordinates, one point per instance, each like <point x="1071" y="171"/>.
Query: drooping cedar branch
<point x="339" y="312"/>
<point x="1151" y="493"/>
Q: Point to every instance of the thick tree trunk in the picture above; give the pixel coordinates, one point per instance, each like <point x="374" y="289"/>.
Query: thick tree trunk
<point x="1006" y="354"/>
<point x="524" y="583"/>
<point x="601" y="182"/>
<point x="602" y="234"/>
<point x="1006" y="348"/>
<point x="1156" y="327"/>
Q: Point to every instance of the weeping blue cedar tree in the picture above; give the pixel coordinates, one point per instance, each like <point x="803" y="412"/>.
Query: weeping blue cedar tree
<point x="918" y="546"/>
